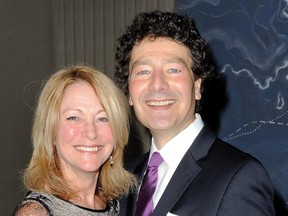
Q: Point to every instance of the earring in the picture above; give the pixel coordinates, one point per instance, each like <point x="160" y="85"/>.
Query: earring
<point x="111" y="160"/>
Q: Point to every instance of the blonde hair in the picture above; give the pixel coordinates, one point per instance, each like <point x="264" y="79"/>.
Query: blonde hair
<point x="43" y="172"/>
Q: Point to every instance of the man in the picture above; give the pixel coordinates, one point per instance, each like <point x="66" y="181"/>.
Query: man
<point x="164" y="64"/>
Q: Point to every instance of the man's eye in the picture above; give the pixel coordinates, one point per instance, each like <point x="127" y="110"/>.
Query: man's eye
<point x="72" y="118"/>
<point x="174" y="70"/>
<point x="143" y="72"/>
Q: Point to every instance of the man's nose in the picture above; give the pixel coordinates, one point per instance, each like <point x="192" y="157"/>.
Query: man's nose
<point x="159" y="81"/>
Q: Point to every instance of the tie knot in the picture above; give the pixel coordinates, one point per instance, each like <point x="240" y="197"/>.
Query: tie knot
<point x="155" y="160"/>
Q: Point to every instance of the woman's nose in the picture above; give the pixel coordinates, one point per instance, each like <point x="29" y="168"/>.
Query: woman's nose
<point x="90" y="131"/>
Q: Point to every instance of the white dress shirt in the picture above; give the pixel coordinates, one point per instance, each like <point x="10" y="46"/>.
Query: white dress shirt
<point x="172" y="153"/>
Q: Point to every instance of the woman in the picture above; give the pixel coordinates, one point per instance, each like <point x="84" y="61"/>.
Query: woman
<point x="80" y="130"/>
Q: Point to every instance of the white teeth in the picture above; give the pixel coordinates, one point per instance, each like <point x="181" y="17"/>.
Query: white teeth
<point x="88" y="149"/>
<point x="160" y="103"/>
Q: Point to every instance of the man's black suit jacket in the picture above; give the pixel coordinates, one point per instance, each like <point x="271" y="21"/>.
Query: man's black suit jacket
<point x="213" y="178"/>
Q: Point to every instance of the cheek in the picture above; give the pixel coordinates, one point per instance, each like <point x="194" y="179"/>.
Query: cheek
<point x="131" y="94"/>
<point x="67" y="133"/>
<point x="109" y="136"/>
<point x="105" y="134"/>
<point x="135" y="88"/>
<point x="136" y="92"/>
<point x="184" y="87"/>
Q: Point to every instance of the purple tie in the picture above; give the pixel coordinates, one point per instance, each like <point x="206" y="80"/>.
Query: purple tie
<point x="144" y="203"/>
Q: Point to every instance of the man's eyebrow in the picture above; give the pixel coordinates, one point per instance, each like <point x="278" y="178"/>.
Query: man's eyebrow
<point x="164" y="61"/>
<point x="142" y="62"/>
<point x="173" y="60"/>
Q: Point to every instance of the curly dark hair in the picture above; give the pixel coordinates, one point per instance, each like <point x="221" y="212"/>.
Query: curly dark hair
<point x="180" y="28"/>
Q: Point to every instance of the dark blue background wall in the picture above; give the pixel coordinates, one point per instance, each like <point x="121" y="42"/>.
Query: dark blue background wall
<point x="249" y="40"/>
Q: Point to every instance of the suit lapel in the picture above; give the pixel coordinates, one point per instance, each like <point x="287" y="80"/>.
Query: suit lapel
<point x="181" y="179"/>
<point x="186" y="172"/>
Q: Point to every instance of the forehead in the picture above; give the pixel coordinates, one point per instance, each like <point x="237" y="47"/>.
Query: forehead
<point x="149" y="49"/>
<point x="78" y="90"/>
<point x="77" y="86"/>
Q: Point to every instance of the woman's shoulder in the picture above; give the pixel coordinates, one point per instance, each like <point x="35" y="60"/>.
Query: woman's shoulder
<point x="32" y="204"/>
<point x="114" y="206"/>
<point x="37" y="203"/>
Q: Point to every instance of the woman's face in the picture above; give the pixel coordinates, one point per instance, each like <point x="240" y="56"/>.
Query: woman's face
<point x="84" y="141"/>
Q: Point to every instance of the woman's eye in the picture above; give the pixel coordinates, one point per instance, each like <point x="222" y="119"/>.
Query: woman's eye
<point x="72" y="118"/>
<point x="103" y="119"/>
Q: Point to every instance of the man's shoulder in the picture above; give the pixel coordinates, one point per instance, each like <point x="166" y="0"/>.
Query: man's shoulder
<point x="219" y="147"/>
<point x="227" y="155"/>
<point x="228" y="150"/>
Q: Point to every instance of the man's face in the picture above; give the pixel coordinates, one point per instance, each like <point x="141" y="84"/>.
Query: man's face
<point x="162" y="87"/>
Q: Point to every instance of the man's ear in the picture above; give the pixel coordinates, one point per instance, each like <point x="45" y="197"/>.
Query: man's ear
<point x="130" y="101"/>
<point x="197" y="87"/>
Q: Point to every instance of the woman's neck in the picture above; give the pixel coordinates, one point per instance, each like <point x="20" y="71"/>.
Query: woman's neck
<point x="86" y="194"/>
